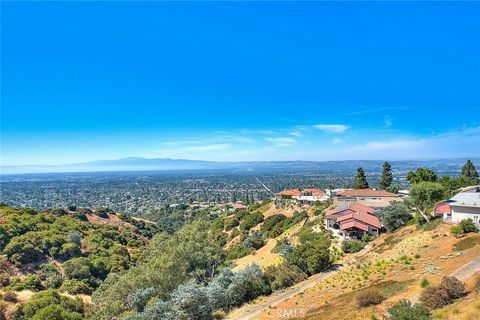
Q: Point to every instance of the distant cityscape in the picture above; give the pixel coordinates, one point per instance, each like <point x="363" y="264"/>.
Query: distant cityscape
<point x="147" y="192"/>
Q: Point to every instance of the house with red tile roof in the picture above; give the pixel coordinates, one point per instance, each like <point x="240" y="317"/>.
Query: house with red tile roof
<point x="302" y="195"/>
<point x="370" y="197"/>
<point x="353" y="220"/>
<point x="443" y="209"/>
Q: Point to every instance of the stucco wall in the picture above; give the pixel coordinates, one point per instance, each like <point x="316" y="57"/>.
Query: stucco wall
<point x="461" y="213"/>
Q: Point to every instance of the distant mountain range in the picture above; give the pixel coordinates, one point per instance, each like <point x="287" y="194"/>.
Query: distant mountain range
<point x="167" y="164"/>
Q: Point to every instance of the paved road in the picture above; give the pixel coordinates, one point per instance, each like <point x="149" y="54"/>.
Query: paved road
<point x="467" y="270"/>
<point x="298" y="288"/>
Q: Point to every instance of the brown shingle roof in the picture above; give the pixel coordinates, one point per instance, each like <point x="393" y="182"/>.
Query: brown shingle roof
<point x="354" y="206"/>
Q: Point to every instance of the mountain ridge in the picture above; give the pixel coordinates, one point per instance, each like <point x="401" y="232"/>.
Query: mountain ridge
<point x="171" y="164"/>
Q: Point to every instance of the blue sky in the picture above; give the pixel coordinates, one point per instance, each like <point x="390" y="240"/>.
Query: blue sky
<point x="84" y="81"/>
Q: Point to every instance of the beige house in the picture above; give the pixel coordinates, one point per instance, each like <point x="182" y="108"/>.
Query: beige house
<point x="368" y="197"/>
<point x="352" y="220"/>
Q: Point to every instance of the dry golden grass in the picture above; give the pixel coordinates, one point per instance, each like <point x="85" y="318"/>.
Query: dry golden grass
<point x="263" y="257"/>
<point x="406" y="257"/>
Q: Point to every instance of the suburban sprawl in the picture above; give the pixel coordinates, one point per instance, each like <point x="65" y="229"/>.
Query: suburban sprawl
<point x="203" y="245"/>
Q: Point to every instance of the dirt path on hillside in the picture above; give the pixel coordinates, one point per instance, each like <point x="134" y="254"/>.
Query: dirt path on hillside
<point x="298" y="288"/>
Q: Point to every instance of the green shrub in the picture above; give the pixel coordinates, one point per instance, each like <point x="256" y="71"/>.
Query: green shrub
<point x="284" y="275"/>
<point x="73" y="286"/>
<point x="308" y="235"/>
<point x="430" y="225"/>
<point x="395" y="215"/>
<point x="367" y="238"/>
<point x="239" y="251"/>
<point x="404" y="310"/>
<point x="69" y="250"/>
<point x="275" y="225"/>
<point x="230" y="223"/>
<point x="25" y="249"/>
<point x="425" y="283"/>
<point x="369" y="297"/>
<point x="254" y="241"/>
<point x="251" y="221"/>
<point x="468" y="225"/>
<point x="77" y="268"/>
<point x="50" y="305"/>
<point x="351" y="246"/>
<point x="456" y="230"/>
<point x="311" y="257"/>
<point x="30" y="282"/>
<point x="50" y="276"/>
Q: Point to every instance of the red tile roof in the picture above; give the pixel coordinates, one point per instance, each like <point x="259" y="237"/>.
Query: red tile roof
<point x="365" y="193"/>
<point x="298" y="192"/>
<point x="355" y="212"/>
<point x="291" y="192"/>
<point x="353" y="223"/>
<point x="443" y="208"/>
<point x="362" y="217"/>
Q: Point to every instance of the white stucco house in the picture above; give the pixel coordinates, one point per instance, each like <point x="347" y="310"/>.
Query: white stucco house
<point x="464" y="205"/>
<point x="302" y="195"/>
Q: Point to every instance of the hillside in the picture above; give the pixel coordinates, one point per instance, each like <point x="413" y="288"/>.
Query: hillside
<point x="71" y="251"/>
<point x="266" y="261"/>
<point x="396" y="264"/>
<point x="167" y="164"/>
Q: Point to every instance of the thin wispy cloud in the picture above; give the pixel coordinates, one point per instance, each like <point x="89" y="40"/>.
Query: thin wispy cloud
<point x="181" y="142"/>
<point x="333" y="128"/>
<point x="337" y="141"/>
<point x="366" y="109"/>
<point x="388" y="121"/>
<point x="209" y="147"/>
<point x="281" y="141"/>
<point x="296" y="134"/>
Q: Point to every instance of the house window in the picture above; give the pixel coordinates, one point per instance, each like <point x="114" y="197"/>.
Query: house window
<point x="374" y="230"/>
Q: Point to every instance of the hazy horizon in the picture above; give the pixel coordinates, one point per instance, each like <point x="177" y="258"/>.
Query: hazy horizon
<point x="169" y="164"/>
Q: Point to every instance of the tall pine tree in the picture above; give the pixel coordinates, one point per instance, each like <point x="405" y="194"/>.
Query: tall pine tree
<point x="360" y="181"/>
<point x="468" y="170"/>
<point x="387" y="176"/>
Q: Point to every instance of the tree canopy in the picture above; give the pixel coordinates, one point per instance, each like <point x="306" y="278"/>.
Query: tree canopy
<point x="421" y="174"/>
<point x="394" y="216"/>
<point x="360" y="181"/>
<point x="387" y="176"/>
<point x="469" y="170"/>
<point x="424" y="195"/>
